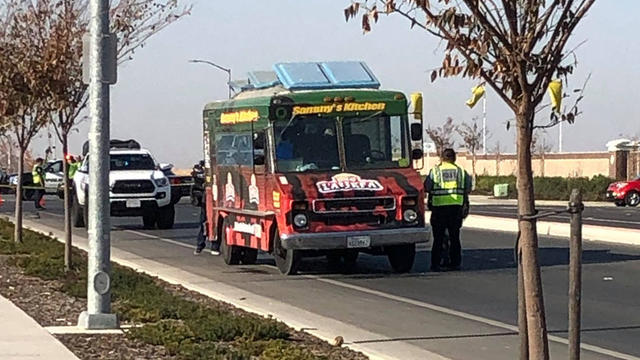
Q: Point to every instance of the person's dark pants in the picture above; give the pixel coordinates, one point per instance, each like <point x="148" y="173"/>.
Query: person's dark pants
<point x="37" y="197"/>
<point x="201" y="240"/>
<point x="446" y="219"/>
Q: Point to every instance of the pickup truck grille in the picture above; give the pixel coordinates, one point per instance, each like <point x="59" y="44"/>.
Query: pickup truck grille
<point x="133" y="187"/>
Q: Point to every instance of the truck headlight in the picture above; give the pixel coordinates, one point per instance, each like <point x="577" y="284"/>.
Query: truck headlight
<point x="300" y="220"/>
<point x="410" y="215"/>
<point x="161" y="182"/>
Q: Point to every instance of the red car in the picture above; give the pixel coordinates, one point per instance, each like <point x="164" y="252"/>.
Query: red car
<point x="624" y="192"/>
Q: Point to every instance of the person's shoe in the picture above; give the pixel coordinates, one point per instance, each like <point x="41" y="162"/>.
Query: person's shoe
<point x="197" y="251"/>
<point x="215" y="252"/>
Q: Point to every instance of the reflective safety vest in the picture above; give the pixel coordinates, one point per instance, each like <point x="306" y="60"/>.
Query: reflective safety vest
<point x="73" y="167"/>
<point x="35" y="173"/>
<point x="448" y="185"/>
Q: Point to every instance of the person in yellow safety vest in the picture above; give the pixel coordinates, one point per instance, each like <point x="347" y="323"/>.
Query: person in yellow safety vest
<point x="448" y="186"/>
<point x="37" y="174"/>
<point x="73" y="166"/>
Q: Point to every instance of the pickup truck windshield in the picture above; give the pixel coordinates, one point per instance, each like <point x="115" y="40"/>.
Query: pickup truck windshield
<point x="131" y="162"/>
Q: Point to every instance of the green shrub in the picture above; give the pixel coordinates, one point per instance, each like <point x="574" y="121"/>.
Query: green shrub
<point x="549" y="188"/>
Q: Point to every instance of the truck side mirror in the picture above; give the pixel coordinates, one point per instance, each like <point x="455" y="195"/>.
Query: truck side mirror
<point x="417" y="154"/>
<point x="416" y="132"/>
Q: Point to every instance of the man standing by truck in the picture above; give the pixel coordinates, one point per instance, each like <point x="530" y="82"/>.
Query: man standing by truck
<point x="448" y="186"/>
<point x="38" y="181"/>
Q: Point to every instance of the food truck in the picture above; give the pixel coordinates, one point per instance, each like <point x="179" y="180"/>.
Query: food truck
<point x="313" y="159"/>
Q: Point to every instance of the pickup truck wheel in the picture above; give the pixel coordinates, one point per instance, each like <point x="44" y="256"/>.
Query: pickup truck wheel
<point x="166" y="217"/>
<point x="149" y="220"/>
<point x="632" y="198"/>
<point x="401" y="257"/>
<point x="287" y="260"/>
<point x="27" y="195"/>
<point x="195" y="201"/>
<point x="230" y="253"/>
<point x="77" y="213"/>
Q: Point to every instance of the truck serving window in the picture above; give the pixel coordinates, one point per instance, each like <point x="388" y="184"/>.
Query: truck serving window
<point x="234" y="149"/>
<point x="306" y="143"/>
<point x="376" y="142"/>
<point x="131" y="162"/>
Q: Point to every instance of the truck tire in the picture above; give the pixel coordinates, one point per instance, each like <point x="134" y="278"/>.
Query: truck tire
<point x="230" y="253"/>
<point x="401" y="257"/>
<point x="166" y="217"/>
<point x="77" y="213"/>
<point x="149" y="220"/>
<point x="287" y="260"/>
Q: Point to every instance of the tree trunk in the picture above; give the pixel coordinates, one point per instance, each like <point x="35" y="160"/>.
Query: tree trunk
<point x="17" y="233"/>
<point x="536" y="324"/>
<point x="67" y="204"/>
<point x="542" y="165"/>
<point x="473" y="168"/>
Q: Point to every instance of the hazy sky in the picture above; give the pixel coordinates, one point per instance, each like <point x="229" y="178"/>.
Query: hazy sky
<point x="159" y="96"/>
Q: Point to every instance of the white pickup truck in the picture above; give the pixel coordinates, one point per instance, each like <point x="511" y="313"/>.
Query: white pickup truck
<point x="137" y="187"/>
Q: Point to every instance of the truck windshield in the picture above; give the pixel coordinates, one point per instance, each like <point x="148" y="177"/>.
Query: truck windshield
<point x="375" y="142"/>
<point x="131" y="162"/>
<point x="308" y="143"/>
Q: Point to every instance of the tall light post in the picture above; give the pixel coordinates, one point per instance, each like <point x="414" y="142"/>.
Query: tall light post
<point x="228" y="71"/>
<point x="99" y="71"/>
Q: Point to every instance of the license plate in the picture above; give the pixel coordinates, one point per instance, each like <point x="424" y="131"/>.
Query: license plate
<point x="358" y="241"/>
<point x="133" y="203"/>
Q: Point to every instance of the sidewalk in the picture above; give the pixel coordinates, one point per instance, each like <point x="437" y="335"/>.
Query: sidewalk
<point x="21" y="337"/>
<point x="489" y="200"/>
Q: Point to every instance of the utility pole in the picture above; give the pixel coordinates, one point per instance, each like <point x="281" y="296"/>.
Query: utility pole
<point x="100" y="73"/>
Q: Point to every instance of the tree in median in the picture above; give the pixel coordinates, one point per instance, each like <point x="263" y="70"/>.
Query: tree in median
<point x="516" y="48"/>
<point x="133" y="22"/>
<point x="24" y="107"/>
<point x="442" y="136"/>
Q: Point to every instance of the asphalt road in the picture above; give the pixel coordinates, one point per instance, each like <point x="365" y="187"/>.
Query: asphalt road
<point x="624" y="217"/>
<point x="461" y="315"/>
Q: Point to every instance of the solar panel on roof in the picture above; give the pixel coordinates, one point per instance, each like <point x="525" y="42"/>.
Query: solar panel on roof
<point x="263" y="79"/>
<point x="350" y="73"/>
<point x="301" y="75"/>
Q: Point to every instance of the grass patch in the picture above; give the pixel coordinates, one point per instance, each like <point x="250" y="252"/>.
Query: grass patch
<point x="185" y="328"/>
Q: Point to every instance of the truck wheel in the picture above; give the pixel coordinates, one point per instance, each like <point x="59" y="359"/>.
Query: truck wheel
<point x="230" y="253"/>
<point x="166" y="217"/>
<point x="401" y="257"/>
<point x="287" y="261"/>
<point x="77" y="213"/>
<point x="249" y="256"/>
<point x="632" y="198"/>
<point x="149" y="220"/>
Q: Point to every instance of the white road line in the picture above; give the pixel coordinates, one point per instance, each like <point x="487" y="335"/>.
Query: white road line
<point x="444" y="310"/>
<point x="495" y="323"/>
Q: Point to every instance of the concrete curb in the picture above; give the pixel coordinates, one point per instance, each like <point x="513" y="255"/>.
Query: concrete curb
<point x="589" y="232"/>
<point x="319" y="326"/>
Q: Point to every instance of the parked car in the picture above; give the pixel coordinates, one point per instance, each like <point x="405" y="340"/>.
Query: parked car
<point x="624" y="193"/>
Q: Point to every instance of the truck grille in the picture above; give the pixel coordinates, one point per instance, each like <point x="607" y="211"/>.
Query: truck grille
<point x="133" y="187"/>
<point x="354" y="205"/>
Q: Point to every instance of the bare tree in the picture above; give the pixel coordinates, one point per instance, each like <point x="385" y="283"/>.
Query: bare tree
<point x="540" y="147"/>
<point x="24" y="32"/>
<point x="134" y="22"/>
<point x="516" y="48"/>
<point x="442" y="136"/>
<point x="497" y="151"/>
<point x="471" y="135"/>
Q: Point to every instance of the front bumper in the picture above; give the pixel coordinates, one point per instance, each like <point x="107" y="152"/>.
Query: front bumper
<point x="338" y="240"/>
<point x="614" y="196"/>
<point x="147" y="204"/>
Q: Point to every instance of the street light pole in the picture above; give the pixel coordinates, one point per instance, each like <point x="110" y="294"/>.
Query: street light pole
<point x="98" y="314"/>
<point x="228" y="71"/>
